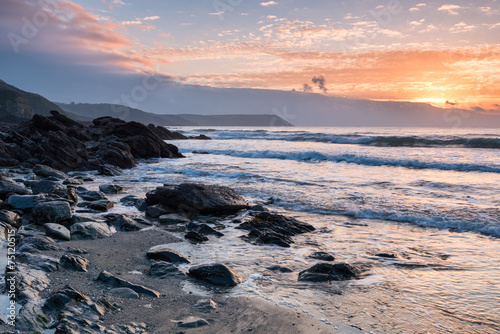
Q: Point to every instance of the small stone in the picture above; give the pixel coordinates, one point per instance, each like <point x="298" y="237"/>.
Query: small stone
<point x="110" y="188"/>
<point x="90" y="230"/>
<point x="195" y="237"/>
<point x="74" y="262"/>
<point x="192" y="322"/>
<point x="112" y="280"/>
<point x="323" y="256"/>
<point x="124" y="293"/>
<point x="102" y="205"/>
<point x="217" y="274"/>
<point x="280" y="268"/>
<point x="90" y="196"/>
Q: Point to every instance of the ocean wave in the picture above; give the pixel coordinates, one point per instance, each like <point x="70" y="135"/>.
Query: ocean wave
<point x="441" y="222"/>
<point x="312" y="156"/>
<point x="486" y="141"/>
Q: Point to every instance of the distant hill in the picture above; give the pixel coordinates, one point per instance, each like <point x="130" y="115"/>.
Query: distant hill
<point x="131" y="114"/>
<point x="16" y="105"/>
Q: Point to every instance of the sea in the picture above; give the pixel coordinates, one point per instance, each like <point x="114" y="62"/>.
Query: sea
<point x="426" y="199"/>
<point x="428" y="196"/>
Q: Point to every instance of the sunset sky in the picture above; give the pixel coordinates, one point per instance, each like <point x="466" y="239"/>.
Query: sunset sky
<point x="426" y="51"/>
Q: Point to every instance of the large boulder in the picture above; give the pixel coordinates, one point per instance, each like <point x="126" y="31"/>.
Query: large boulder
<point x="189" y="198"/>
<point x="51" y="212"/>
<point x="217" y="274"/>
<point x="11" y="188"/>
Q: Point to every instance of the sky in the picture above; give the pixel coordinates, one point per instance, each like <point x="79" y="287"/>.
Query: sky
<point x="443" y="52"/>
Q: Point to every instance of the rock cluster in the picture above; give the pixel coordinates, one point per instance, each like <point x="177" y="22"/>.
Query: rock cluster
<point x="64" y="144"/>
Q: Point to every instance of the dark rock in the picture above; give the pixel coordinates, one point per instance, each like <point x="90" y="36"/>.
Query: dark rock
<point x="41" y="262"/>
<point x="166" y="254"/>
<point x="73" y="312"/>
<point x="203" y="229"/>
<point x="271" y="228"/>
<point x="57" y="231"/>
<point x="154" y="211"/>
<point x="90" y="230"/>
<point x="323" y="256"/>
<point x="46" y="186"/>
<point x="126" y="293"/>
<point x="267" y="236"/>
<point x="74" y="262"/>
<point x="51" y="212"/>
<point x="114" y="281"/>
<point x="11" y="218"/>
<point x="110" y="188"/>
<point x="217" y="274"/>
<point x="37" y="244"/>
<point x="259" y="208"/>
<point x="173" y="218"/>
<point x="73" y="182"/>
<point x="81" y="219"/>
<point x="201" y="137"/>
<point x="165" y="134"/>
<point x="116" y="153"/>
<point x="129" y="200"/>
<point x="280" y="268"/>
<point x="190" y="198"/>
<point x="387" y="255"/>
<point x="102" y="205"/>
<point x="46" y="171"/>
<point x="10" y="188"/>
<point x="195" y="237"/>
<point x="24" y="202"/>
<point x="124" y="223"/>
<point x="200" y="152"/>
<point x="91" y="196"/>
<point x="323" y="272"/>
<point x="109" y="170"/>
<point x="162" y="269"/>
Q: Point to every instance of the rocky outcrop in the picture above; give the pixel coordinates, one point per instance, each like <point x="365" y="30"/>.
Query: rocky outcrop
<point x="60" y="143"/>
<point x="190" y="199"/>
